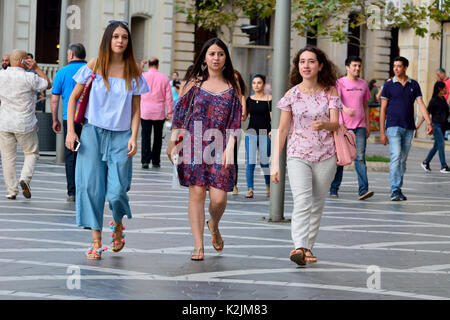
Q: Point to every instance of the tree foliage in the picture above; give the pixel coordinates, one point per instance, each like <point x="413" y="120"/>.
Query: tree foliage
<point x="321" y="18"/>
<point x="313" y="17"/>
<point x="213" y="15"/>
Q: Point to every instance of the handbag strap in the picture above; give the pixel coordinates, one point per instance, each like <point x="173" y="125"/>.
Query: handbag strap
<point x="188" y="115"/>
<point x="341" y="114"/>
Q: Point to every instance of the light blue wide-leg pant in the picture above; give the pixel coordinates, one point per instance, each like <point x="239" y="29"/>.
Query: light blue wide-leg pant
<point x="103" y="170"/>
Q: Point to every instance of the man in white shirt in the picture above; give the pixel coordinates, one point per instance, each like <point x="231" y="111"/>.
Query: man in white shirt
<point x="18" y="122"/>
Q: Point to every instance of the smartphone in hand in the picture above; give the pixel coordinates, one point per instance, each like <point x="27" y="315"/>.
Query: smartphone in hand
<point x="77" y="146"/>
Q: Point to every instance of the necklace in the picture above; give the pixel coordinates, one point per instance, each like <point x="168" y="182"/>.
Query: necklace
<point x="257" y="100"/>
<point x="309" y="91"/>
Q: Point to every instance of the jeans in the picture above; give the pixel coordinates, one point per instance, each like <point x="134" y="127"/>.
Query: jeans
<point x="439" y="144"/>
<point x="253" y="142"/>
<point x="399" y="143"/>
<point x="71" y="160"/>
<point x="360" y="165"/>
<point x="150" y="154"/>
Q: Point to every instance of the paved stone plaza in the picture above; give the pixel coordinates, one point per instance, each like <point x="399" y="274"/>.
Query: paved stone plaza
<point x="42" y="250"/>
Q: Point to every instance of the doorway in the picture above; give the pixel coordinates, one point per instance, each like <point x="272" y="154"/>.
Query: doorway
<point x="47" y="31"/>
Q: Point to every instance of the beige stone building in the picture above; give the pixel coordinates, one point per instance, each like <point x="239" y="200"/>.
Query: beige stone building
<point x="159" y="30"/>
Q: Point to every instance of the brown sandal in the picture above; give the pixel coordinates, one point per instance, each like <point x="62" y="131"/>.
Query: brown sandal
<point x="218" y="246"/>
<point x="309" y="256"/>
<point x="298" y="256"/>
<point x="249" y="194"/>
<point x="198" y="254"/>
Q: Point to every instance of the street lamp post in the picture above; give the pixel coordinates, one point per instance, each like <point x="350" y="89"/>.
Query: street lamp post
<point x="127" y="11"/>
<point x="63" y="47"/>
<point x="280" y="75"/>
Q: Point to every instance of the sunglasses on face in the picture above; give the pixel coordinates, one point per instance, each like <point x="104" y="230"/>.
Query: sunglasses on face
<point x="118" y="22"/>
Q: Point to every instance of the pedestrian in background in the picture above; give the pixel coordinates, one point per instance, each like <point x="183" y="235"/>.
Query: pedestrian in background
<point x="355" y="94"/>
<point x="438" y="108"/>
<point x="309" y="114"/>
<point x="18" y="122"/>
<point x="373" y="101"/>
<point x="109" y="137"/>
<point x="6" y="63"/>
<point x="210" y="100"/>
<point x="397" y="122"/>
<point x="257" y="138"/>
<point x="62" y="87"/>
<point x="441" y="75"/>
<point x="156" y="107"/>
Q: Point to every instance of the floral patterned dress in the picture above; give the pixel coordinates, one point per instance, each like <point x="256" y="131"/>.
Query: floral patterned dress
<point x="208" y="121"/>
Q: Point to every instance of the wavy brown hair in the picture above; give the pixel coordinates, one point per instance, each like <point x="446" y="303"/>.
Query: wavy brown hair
<point x="131" y="70"/>
<point x="327" y="76"/>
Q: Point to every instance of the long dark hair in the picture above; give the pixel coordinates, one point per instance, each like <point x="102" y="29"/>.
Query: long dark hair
<point x="131" y="70"/>
<point x="438" y="86"/>
<point x="241" y="83"/>
<point x="372" y="84"/>
<point x="197" y="74"/>
<point x="327" y="76"/>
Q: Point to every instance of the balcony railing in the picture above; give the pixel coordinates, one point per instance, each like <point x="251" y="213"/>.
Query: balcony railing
<point x="50" y="70"/>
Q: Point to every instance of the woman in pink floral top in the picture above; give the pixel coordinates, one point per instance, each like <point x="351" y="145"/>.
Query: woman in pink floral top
<point x="309" y="114"/>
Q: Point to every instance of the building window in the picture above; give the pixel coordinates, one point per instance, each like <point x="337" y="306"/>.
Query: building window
<point x="395" y="50"/>
<point x="47" y="31"/>
<point x="354" y="35"/>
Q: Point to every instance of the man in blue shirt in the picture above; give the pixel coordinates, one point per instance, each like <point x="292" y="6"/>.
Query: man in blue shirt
<point x="63" y="86"/>
<point x="397" y="116"/>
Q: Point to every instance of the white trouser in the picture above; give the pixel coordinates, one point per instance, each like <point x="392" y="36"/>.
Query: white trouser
<point x="29" y="143"/>
<point x="310" y="183"/>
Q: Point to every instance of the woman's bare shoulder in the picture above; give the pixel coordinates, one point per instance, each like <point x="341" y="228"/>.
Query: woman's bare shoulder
<point x="91" y="63"/>
<point x="333" y="91"/>
<point x="290" y="92"/>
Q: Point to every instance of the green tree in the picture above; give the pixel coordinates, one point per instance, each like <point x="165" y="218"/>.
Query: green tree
<point x="312" y="17"/>
<point x="217" y="15"/>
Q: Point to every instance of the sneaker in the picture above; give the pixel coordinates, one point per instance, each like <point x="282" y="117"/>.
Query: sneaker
<point x="426" y="166"/>
<point x="395" y="196"/>
<point x="157" y="166"/>
<point x="25" y="189"/>
<point x="367" y="195"/>
<point x="445" y="169"/>
<point x="71" y="199"/>
<point x="11" y="197"/>
<point x="334" y="194"/>
<point x="145" y="166"/>
<point x="402" y="196"/>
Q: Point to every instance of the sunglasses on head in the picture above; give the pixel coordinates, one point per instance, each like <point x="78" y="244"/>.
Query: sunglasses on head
<point x="118" y="22"/>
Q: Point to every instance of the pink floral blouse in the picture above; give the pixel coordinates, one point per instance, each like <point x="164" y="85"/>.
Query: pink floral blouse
<point x="303" y="142"/>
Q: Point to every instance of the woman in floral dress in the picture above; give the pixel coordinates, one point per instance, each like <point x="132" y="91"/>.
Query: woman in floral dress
<point x="210" y="112"/>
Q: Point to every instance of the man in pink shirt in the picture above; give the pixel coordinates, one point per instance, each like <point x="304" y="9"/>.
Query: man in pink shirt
<point x="442" y="76"/>
<point x="153" y="113"/>
<point x="355" y="95"/>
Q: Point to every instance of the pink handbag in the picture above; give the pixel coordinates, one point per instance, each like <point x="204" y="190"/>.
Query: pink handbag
<point x="345" y="143"/>
<point x="84" y="99"/>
